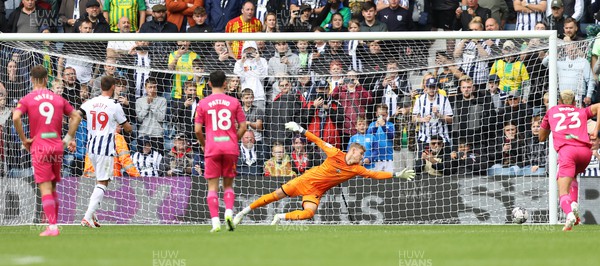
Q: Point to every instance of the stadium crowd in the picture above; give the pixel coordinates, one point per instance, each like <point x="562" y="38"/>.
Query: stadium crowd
<point x="476" y="111"/>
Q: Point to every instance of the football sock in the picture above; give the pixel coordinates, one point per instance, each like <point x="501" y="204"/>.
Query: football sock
<point x="215" y="222"/>
<point x="565" y="203"/>
<point x="264" y="200"/>
<point x="49" y="207"/>
<point x="95" y="200"/>
<point x="213" y="204"/>
<point x="55" y="195"/>
<point x="574" y="190"/>
<point x="229" y="198"/>
<point x="299" y="215"/>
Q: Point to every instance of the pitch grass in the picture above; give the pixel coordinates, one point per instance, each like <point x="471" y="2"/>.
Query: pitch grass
<point x="286" y="245"/>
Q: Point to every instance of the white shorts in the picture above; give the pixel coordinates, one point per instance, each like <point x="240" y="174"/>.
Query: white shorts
<point x="103" y="166"/>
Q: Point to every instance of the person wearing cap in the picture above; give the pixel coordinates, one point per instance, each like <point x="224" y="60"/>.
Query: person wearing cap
<point x="159" y="23"/>
<point x="300" y="19"/>
<point x="556" y="19"/>
<point x="512" y="72"/>
<point x="180" y="12"/>
<point x="433" y="113"/>
<point x="148" y="161"/>
<point x="70" y="11"/>
<point x="94" y="14"/>
<point x="135" y="10"/>
<point x="496" y="95"/>
<point x="180" y="160"/>
<point x="529" y="12"/>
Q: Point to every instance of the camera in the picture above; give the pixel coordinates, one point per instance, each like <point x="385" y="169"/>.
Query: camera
<point x="346" y="80"/>
<point x="464" y="8"/>
<point x="249" y="55"/>
<point x="296" y="12"/>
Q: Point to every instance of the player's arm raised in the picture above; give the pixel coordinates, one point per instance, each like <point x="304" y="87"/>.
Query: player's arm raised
<point x="326" y="147"/>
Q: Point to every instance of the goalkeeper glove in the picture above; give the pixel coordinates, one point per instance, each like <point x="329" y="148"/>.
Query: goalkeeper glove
<point x="294" y="127"/>
<point x="406" y="173"/>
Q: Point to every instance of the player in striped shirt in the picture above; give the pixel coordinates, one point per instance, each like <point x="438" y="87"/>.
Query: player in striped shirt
<point x="314" y="183"/>
<point x="103" y="114"/>
<point x="135" y="10"/>
<point x="244" y="23"/>
<point x="45" y="111"/>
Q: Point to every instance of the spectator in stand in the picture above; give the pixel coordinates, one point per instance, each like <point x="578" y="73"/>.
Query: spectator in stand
<point x="255" y="117"/>
<point x="200" y="17"/>
<point x="284" y="61"/>
<point x="148" y="161"/>
<point x="300" y="19"/>
<point x="122" y="94"/>
<point x="371" y="22"/>
<point x="180" y="159"/>
<point x="286" y="107"/>
<point x="93" y="14"/>
<point x="499" y="9"/>
<point x="536" y="152"/>
<point x="383" y="130"/>
<point x="252" y="70"/>
<point x="493" y="91"/>
<point x="199" y="81"/>
<point x="252" y="159"/>
<point x="13" y="84"/>
<point x="270" y="24"/>
<point x="464" y="161"/>
<point x="332" y="7"/>
<point x="575" y="9"/>
<point x="302" y="156"/>
<point x="115" y="49"/>
<point x="181" y="61"/>
<point x="180" y="12"/>
<point x="304" y="55"/>
<point x="149" y="5"/>
<point x="512" y="72"/>
<point x="324" y="115"/>
<point x="529" y="12"/>
<point x="392" y="88"/>
<point x="356" y="49"/>
<point x="184" y="110"/>
<point x="245" y="23"/>
<point x="72" y="87"/>
<point x="466" y="13"/>
<point x="471" y="115"/>
<point x="78" y="57"/>
<point x="337" y="24"/>
<point x="233" y="88"/>
<point x="515" y="112"/>
<point x="472" y="52"/>
<point x="404" y="136"/>
<point x="448" y="81"/>
<point x="220" y="59"/>
<point x="134" y="10"/>
<point x="571" y="31"/>
<point x="333" y="52"/>
<point x="280" y="164"/>
<point x="220" y="12"/>
<point x="373" y="60"/>
<point x="317" y="6"/>
<point x="151" y="111"/>
<point x="432" y="113"/>
<point x="20" y="19"/>
<point x="443" y="15"/>
<point x="159" y="23"/>
<point x="491" y="24"/>
<point x="506" y="154"/>
<point x="354" y="99"/>
<point x="71" y="11"/>
<point x="434" y="158"/>
<point x="556" y="20"/>
<point x="336" y="71"/>
<point x="367" y="140"/>
<point x="141" y="58"/>
<point x="109" y="70"/>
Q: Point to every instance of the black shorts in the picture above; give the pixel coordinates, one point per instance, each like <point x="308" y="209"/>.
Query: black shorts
<point x="443" y="19"/>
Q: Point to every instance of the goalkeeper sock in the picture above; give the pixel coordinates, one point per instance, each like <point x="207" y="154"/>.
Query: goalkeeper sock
<point x="229" y="198"/>
<point x="574" y="190"/>
<point x="95" y="200"/>
<point x="55" y="195"/>
<point x="565" y="203"/>
<point x="299" y="215"/>
<point x="264" y="200"/>
<point x="213" y="203"/>
<point x="49" y="208"/>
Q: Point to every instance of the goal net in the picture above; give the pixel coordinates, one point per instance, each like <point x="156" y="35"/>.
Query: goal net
<point x="463" y="111"/>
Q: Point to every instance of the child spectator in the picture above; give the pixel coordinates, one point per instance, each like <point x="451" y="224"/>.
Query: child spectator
<point x="367" y="140"/>
<point x="280" y="164"/>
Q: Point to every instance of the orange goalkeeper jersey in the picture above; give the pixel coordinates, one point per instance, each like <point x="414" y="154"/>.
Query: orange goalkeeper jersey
<point x="334" y="170"/>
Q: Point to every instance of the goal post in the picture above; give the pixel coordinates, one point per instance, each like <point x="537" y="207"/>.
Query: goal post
<point x="177" y="195"/>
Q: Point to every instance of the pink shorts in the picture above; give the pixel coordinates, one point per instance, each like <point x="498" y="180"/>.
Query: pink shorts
<point x="573" y="160"/>
<point x="222" y="165"/>
<point x="46" y="166"/>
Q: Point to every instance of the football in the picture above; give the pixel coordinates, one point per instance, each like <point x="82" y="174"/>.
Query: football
<point x="519" y="215"/>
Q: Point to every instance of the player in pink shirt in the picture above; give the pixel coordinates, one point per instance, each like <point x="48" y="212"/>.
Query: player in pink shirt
<point x="220" y="114"/>
<point x="45" y="111"/>
<point x="572" y="142"/>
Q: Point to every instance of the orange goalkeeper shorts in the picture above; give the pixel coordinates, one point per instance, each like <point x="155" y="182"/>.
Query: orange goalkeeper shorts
<point x="299" y="187"/>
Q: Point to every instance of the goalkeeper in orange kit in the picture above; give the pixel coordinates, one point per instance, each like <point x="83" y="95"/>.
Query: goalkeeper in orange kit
<point x="337" y="168"/>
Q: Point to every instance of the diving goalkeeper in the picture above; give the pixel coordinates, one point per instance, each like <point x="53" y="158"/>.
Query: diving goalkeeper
<point x="337" y="168"/>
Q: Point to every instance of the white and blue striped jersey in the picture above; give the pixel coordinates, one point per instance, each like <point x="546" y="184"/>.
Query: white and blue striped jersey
<point x="102" y="114"/>
<point x="423" y="107"/>
<point x="527" y="21"/>
<point x="148" y="164"/>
